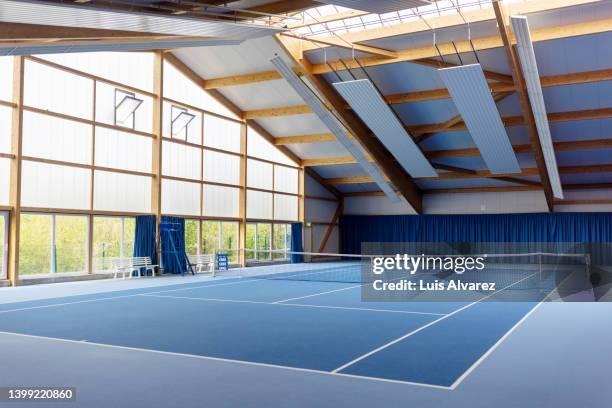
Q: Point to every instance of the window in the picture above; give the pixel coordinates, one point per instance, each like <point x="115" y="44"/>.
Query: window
<point x="126" y="104"/>
<point x="264" y="238"/>
<point x="179" y="124"/>
<point x="112" y="237"/>
<point x="282" y="241"/>
<point x="220" y="236"/>
<point x="210" y="237"/>
<point x="229" y="240"/>
<point x="192" y="237"/>
<point x="52" y="244"/>
<point x="251" y="242"/>
<point x="3" y="243"/>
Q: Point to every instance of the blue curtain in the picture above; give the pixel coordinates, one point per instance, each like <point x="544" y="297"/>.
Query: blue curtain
<point x="296" y="242"/>
<point x="169" y="259"/>
<point x="545" y="227"/>
<point x="144" y="240"/>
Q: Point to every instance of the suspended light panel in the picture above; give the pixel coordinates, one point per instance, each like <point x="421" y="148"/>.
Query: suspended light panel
<point x="367" y="102"/>
<point x="471" y="93"/>
<point x="524" y="47"/>
<point x="335" y="127"/>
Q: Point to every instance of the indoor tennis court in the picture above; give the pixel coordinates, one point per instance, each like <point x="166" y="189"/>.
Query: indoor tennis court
<point x="306" y="203"/>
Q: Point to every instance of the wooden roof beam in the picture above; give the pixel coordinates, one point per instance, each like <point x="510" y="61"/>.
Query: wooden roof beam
<point x="397" y="175"/>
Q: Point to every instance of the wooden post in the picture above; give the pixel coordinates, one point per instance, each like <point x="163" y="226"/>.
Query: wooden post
<point x="15" y="178"/>
<point x="242" y="198"/>
<point x="156" y="185"/>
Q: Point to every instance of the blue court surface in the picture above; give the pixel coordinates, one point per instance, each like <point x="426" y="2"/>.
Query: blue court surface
<point x="321" y="326"/>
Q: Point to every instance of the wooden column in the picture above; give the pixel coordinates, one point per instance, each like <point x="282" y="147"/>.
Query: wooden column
<point x="158" y="86"/>
<point x="302" y="204"/>
<point x="15" y="178"/>
<point x="242" y="202"/>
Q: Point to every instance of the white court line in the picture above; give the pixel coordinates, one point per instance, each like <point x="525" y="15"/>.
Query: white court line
<point x="419" y="329"/>
<point x="119" y="297"/>
<point x="318" y="294"/>
<point x="475" y="365"/>
<point x="296" y="305"/>
<point x="225" y="360"/>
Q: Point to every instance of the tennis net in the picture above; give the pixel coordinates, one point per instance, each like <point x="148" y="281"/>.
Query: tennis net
<point x="531" y="270"/>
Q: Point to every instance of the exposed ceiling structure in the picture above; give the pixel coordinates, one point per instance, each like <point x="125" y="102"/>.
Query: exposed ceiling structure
<point x="400" y="53"/>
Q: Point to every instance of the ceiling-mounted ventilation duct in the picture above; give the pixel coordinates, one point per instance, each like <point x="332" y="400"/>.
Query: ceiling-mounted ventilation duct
<point x="73" y="15"/>
<point x="366" y="101"/>
<point x="471" y="93"/>
<point x="335" y="127"/>
<point x="529" y="67"/>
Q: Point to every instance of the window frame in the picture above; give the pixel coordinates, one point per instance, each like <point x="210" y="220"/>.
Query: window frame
<point x="5" y="236"/>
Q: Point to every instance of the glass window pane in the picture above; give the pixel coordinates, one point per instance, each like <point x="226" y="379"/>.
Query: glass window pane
<point x="70" y="243"/>
<point x="264" y="242"/>
<point x="250" y="242"/>
<point x="106" y="242"/>
<point x="193" y="131"/>
<point x="191" y="236"/>
<point x="210" y="237"/>
<point x="129" y="235"/>
<point x="280" y="241"/>
<point x="35" y="244"/>
<point x="229" y="240"/>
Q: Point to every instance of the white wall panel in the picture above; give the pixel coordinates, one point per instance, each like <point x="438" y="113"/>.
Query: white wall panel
<point x="5" y="128"/>
<point x="259" y="174"/>
<point x="58" y="91"/>
<point x="5" y="179"/>
<point x="179" y="197"/>
<point x="122" y="192"/>
<point x="130" y="68"/>
<point x="182" y="89"/>
<point x="285" y="179"/>
<point x="50" y="186"/>
<point x="6" y="78"/>
<point x="221" y="133"/>
<point x="181" y="161"/>
<point x="285" y="207"/>
<point x="221" y="201"/>
<point x="123" y="150"/>
<point x="259" y="204"/>
<point x="221" y="168"/>
<point x="257" y="146"/>
<point x="53" y="138"/>
<point x="319" y="210"/>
